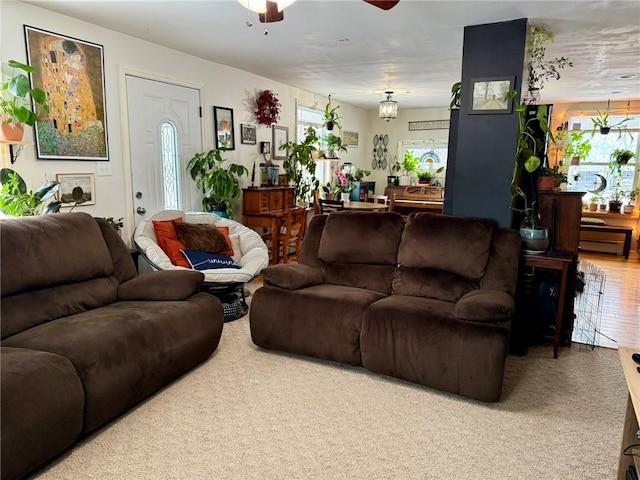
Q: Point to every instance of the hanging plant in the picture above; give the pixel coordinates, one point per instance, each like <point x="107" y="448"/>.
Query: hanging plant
<point x="267" y="108"/>
<point x="540" y="68"/>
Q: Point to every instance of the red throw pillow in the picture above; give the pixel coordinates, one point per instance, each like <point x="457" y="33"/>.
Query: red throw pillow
<point x="225" y="232"/>
<point x="167" y="239"/>
<point x="173" y="249"/>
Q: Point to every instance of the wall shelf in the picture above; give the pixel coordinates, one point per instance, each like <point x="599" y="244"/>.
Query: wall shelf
<point x="15" y="148"/>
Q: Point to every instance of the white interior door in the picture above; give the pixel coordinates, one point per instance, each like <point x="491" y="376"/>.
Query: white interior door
<point x="164" y="134"/>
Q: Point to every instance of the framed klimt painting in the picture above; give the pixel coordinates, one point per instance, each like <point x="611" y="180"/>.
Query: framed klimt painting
<point x="71" y="73"/>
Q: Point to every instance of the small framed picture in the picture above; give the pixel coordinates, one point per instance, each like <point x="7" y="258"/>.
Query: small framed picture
<point x="350" y="139"/>
<point x="223" y="121"/>
<point x="247" y="134"/>
<point x="280" y="137"/>
<point x="488" y="95"/>
<point x="69" y="181"/>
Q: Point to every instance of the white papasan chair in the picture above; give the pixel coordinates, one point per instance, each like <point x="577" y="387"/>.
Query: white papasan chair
<point x="249" y="250"/>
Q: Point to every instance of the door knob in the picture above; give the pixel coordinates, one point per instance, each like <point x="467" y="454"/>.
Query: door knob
<point x="138" y="195"/>
<point x="141" y="210"/>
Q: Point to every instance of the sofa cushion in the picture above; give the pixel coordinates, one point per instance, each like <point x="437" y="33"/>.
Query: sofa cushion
<point x="292" y="276"/>
<point x="378" y="278"/>
<point x="370" y="238"/>
<point x="25" y="310"/>
<point x="74" y="251"/>
<point x="123" y="266"/>
<point x="42" y="408"/>
<point x="431" y="283"/>
<point x="323" y="321"/>
<point x="127" y="350"/>
<point x="460" y="245"/>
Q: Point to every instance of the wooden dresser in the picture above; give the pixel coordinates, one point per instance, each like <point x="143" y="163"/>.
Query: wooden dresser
<point x="415" y="198"/>
<point x="265" y="199"/>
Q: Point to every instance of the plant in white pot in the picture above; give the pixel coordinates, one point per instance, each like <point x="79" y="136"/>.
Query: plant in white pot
<point x="15" y="103"/>
<point x="631" y="195"/>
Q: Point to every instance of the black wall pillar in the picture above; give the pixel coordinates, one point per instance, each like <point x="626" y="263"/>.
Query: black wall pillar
<point x="484" y="152"/>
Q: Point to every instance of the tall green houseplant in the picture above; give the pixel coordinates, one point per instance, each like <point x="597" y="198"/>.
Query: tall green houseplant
<point x="17" y="201"/>
<point x="219" y="185"/>
<point x="300" y="167"/>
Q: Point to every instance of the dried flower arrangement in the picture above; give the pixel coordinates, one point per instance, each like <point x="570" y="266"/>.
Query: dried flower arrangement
<point x="267" y="108"/>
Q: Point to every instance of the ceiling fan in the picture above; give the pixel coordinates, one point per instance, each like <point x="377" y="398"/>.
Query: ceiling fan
<point x="273" y="10"/>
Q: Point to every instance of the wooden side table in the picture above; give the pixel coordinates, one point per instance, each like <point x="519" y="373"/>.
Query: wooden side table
<point x="632" y="418"/>
<point x="554" y="262"/>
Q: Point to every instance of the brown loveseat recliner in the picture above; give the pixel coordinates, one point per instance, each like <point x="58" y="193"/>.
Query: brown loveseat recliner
<point x="429" y="302"/>
<point x="83" y="337"/>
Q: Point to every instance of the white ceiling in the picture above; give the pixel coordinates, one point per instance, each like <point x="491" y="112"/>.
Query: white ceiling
<point x="354" y="51"/>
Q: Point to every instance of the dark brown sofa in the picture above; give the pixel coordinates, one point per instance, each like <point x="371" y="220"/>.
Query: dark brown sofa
<point x="84" y="337"/>
<point x="429" y="302"/>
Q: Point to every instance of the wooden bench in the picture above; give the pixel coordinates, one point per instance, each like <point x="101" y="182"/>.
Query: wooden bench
<point x="626" y="231"/>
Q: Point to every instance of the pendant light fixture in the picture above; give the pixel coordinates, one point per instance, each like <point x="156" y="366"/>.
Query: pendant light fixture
<point x="260" y="6"/>
<point x="388" y="108"/>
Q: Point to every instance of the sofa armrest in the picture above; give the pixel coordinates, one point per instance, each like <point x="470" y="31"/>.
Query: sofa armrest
<point x="162" y="285"/>
<point x="485" y="306"/>
<point x="292" y="276"/>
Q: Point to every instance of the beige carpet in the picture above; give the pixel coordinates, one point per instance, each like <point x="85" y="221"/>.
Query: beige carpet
<point x="252" y="414"/>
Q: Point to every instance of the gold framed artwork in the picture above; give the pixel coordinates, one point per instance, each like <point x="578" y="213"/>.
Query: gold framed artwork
<point x="71" y="73"/>
<point x="69" y="181"/>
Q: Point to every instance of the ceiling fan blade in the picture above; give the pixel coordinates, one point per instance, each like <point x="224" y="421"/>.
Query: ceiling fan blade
<point x="272" y="14"/>
<point x="383" y="4"/>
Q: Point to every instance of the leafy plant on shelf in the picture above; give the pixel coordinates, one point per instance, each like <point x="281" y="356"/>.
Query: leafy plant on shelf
<point x="540" y="68"/>
<point x="331" y="117"/>
<point x="116" y="224"/>
<point x="578" y="145"/>
<point x="555" y="173"/>
<point x="14" y="102"/>
<point x="602" y="124"/>
<point x="411" y="163"/>
<point x="334" y="145"/>
<point x="17" y="201"/>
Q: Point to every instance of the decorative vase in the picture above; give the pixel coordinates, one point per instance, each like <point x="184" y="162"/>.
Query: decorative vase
<point x="405" y="180"/>
<point x="535" y="240"/>
<point x="12" y="132"/>
<point x="344" y="197"/>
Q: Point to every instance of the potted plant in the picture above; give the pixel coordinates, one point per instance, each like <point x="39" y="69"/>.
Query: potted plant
<point x="219" y="185"/>
<point x="117" y="225"/>
<point x="601" y="124"/>
<point x="16" y="201"/>
<point x="267" y="108"/>
<point x="578" y="147"/>
<point x="593" y="203"/>
<point x="334" y="145"/>
<point x="534" y="237"/>
<point x="331" y="117"/>
<point x="425" y="177"/>
<point x="410" y="164"/>
<point x="300" y="167"/>
<point x="631" y="196"/>
<point x="394" y="167"/>
<point x="540" y="68"/>
<point x="15" y="104"/>
<point x="622" y="156"/>
<point x="557" y="177"/>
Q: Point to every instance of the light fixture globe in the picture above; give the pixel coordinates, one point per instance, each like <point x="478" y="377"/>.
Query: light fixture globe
<point x="260" y="6"/>
<point x="388" y="108"/>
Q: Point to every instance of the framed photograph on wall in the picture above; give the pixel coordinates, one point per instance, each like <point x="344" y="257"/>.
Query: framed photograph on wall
<point x="69" y="181"/>
<point x="247" y="134"/>
<point x="71" y="73"/>
<point x="488" y="95"/>
<point x="350" y="139"/>
<point x="280" y="136"/>
<point x="223" y="121"/>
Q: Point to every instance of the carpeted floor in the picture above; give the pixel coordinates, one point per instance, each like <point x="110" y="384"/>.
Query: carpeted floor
<point x="247" y="413"/>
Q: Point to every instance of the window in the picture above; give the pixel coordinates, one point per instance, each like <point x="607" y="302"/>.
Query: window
<point x="432" y="155"/>
<point x="589" y="174"/>
<point x="170" y="185"/>
<point x="312" y="117"/>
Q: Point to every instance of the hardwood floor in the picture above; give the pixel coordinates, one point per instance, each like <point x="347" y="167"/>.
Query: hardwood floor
<point x="620" y="320"/>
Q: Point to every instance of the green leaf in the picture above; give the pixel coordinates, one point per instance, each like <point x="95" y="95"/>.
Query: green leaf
<point x="38" y="95"/>
<point x="5" y="177"/>
<point x="53" y="207"/>
<point x="19" y="86"/>
<point x="48" y="190"/>
<point x="21" y="66"/>
<point x="532" y="163"/>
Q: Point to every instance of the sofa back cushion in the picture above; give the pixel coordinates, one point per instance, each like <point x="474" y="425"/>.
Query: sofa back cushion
<point x="359" y="249"/>
<point x="459" y="245"/>
<point x="370" y="238"/>
<point x="51" y="252"/>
